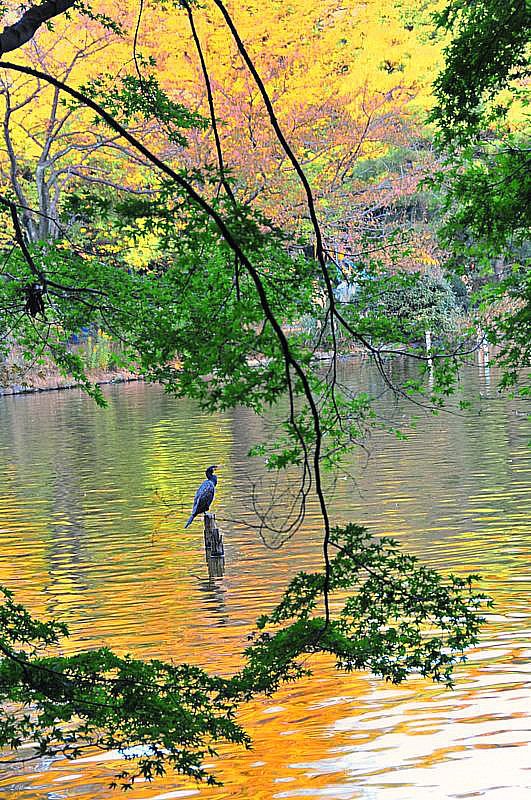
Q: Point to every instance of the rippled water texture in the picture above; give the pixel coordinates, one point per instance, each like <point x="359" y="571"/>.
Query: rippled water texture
<point x="92" y="506"/>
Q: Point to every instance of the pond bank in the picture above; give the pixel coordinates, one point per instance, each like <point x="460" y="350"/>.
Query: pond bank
<point x="55" y="382"/>
<point x="51" y="381"/>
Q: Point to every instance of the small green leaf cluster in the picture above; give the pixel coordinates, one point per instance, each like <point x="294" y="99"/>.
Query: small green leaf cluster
<point x="132" y="99"/>
<point x="104" y="20"/>
<point x="394" y="616"/>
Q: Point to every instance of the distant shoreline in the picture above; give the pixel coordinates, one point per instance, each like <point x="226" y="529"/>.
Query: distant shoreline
<point x="52" y="382"/>
<point x="56" y="383"/>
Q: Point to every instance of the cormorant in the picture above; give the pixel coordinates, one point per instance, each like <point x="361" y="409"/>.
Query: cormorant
<point x="204" y="495"/>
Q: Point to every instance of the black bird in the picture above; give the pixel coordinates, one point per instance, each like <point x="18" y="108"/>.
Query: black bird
<point x="204" y="495"/>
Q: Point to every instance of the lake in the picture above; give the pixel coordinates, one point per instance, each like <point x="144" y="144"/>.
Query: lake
<point x="92" y="508"/>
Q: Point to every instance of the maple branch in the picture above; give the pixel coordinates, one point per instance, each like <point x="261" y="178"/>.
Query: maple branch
<point x="16" y="35"/>
<point x="326" y="277"/>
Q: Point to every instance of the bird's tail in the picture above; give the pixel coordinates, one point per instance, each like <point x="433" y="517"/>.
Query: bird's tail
<point x="190" y="520"/>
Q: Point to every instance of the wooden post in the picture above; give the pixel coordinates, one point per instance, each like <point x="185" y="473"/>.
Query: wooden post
<point x="213" y="537"/>
<point x="216" y="567"/>
<point x="484" y="357"/>
<point x="428" y="348"/>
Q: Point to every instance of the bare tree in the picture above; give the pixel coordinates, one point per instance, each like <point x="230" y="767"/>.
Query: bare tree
<point x="43" y="157"/>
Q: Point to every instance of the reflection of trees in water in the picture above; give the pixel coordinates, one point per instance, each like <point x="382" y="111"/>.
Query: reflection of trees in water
<point x="69" y="543"/>
<point x="453" y="474"/>
<point x="177" y="449"/>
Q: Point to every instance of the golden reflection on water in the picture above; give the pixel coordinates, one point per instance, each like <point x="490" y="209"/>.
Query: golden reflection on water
<point x="92" y="506"/>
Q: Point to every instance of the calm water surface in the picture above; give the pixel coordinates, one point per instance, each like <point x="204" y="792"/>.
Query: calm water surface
<point x="92" y="506"/>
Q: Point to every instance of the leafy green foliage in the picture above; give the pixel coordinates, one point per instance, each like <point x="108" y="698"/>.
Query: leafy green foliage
<point x="401" y="618"/>
<point x="405" y="305"/>
<point x="484" y="182"/>
<point x="183" y="321"/>
<point x="171" y="714"/>
<point x="485" y="207"/>
<point x="392" y="616"/>
<point x="488" y="52"/>
<point x="511" y="330"/>
<point x="132" y="98"/>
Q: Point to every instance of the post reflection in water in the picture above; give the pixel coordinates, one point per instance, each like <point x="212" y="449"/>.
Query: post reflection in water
<point x="92" y="508"/>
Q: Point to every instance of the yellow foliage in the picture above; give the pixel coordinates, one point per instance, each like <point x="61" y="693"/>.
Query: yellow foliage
<point x="348" y="80"/>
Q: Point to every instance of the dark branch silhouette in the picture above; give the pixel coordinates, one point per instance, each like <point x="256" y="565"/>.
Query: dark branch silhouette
<point x="21" y="32"/>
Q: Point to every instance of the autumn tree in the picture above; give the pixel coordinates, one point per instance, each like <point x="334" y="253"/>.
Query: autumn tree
<point x="44" y="153"/>
<point x="359" y="140"/>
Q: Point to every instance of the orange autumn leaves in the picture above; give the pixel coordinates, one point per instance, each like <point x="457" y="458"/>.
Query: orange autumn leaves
<point x="349" y="82"/>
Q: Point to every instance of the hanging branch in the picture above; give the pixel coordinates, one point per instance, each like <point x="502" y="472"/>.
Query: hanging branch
<point x="213" y="121"/>
<point x="19" y="238"/>
<point x="208" y="86"/>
